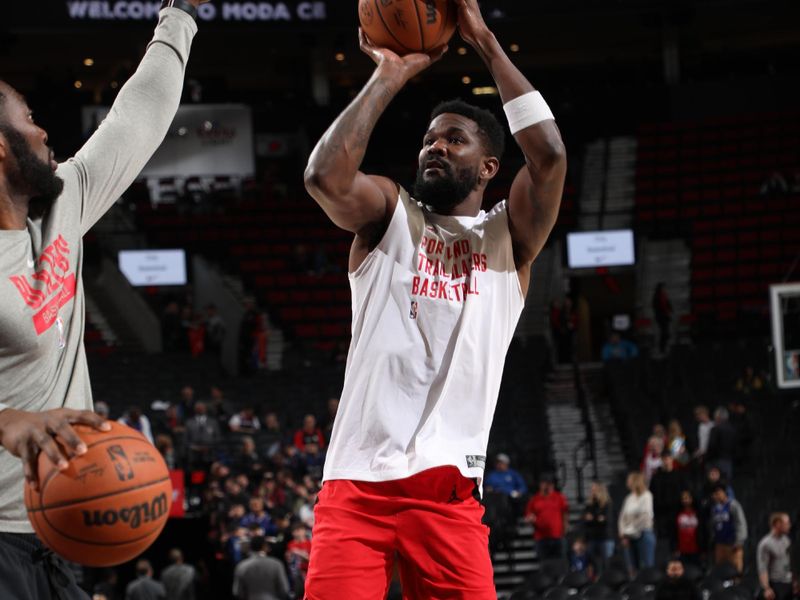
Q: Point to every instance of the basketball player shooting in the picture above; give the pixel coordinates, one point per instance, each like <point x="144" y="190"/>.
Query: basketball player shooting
<point x="438" y="286"/>
<point x="45" y="209"/>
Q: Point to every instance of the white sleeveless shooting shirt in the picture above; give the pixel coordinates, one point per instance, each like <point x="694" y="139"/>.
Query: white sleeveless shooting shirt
<point x="435" y="306"/>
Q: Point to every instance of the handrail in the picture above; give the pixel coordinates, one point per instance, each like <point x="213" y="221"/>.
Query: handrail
<point x="589" y="441"/>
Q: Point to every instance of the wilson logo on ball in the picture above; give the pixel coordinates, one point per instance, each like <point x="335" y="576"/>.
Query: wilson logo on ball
<point x="133" y="516"/>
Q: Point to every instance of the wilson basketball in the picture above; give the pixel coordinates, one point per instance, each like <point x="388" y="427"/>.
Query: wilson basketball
<point x="109" y="505"/>
<point x="406" y="26"/>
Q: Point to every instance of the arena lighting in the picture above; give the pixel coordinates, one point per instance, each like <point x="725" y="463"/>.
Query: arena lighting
<point x="461" y="51"/>
<point x="114" y="85"/>
<point x="466" y="80"/>
<point x="487" y="90"/>
<point x="88" y="62"/>
<point x="339" y="57"/>
<point x="514" y="47"/>
<point x="78" y="84"/>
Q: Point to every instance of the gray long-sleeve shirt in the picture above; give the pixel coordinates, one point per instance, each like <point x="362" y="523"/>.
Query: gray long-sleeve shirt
<point x="42" y="359"/>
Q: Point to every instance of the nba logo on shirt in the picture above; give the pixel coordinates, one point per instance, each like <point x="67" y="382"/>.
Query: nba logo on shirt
<point x="412" y="314"/>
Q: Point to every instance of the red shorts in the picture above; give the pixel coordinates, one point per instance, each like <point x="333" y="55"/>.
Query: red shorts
<point x="430" y="523"/>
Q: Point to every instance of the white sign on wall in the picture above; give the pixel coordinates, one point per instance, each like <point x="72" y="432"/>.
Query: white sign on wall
<point x="153" y="267"/>
<point x="204" y="140"/>
<point x="600" y="249"/>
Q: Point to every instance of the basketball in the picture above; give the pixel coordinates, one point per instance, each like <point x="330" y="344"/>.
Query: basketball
<point x="406" y="26"/>
<point x="109" y="505"/>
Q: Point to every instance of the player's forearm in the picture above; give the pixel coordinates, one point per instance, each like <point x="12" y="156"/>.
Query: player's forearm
<point x="337" y="157"/>
<point x="541" y="145"/>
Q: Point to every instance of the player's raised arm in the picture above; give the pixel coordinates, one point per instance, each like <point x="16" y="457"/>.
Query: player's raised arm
<point x="354" y="201"/>
<point x="140" y="116"/>
<point x="535" y="195"/>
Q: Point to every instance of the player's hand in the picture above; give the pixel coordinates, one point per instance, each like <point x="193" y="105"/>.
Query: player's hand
<point x="407" y="66"/>
<point x="769" y="594"/>
<point x="471" y="25"/>
<point x="25" y="434"/>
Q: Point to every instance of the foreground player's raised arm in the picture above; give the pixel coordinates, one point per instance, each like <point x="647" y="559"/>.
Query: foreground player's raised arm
<point x="355" y="201"/>
<point x="535" y="195"/>
<point x="139" y="118"/>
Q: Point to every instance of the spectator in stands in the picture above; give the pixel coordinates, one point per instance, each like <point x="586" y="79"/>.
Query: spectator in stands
<point x="580" y="559"/>
<point x="676" y="586"/>
<point x="274" y="496"/>
<point x="722" y="443"/>
<point x="662" y="310"/>
<point x="309" y="433"/>
<point x="313" y="460"/>
<point x="504" y="479"/>
<point x="548" y="511"/>
<point x="774" y="561"/>
<point x="248" y="460"/>
<point x="218" y="406"/>
<point x="245" y="422"/>
<point x="617" y="348"/>
<point x="298" y="550"/>
<point x="689" y="531"/>
<point x="260" y="576"/>
<point x="134" y="419"/>
<point x="598" y="524"/>
<point x="704" y="427"/>
<point x="202" y="435"/>
<point x="651" y="461"/>
<point x="258" y="515"/>
<point x="179" y="579"/>
<point x="667" y="485"/>
<point x="730" y="529"/>
<point x="677" y="444"/>
<point x="144" y="587"/>
<point x="635" y="525"/>
<point x="271" y="436"/>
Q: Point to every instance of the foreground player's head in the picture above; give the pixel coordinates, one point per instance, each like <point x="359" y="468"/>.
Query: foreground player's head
<point x="27" y="167"/>
<point x="460" y="154"/>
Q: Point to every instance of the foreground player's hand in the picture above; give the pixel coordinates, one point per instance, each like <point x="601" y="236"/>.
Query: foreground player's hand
<point x="25" y="434"/>
<point x="470" y="21"/>
<point x="407" y="66"/>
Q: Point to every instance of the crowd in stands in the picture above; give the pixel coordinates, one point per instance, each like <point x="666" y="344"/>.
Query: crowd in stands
<point x="250" y="477"/>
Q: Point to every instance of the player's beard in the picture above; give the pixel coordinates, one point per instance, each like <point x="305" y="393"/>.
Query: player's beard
<point x="446" y="191"/>
<point x="32" y="176"/>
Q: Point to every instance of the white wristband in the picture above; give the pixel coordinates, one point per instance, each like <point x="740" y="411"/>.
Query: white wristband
<point x="526" y="110"/>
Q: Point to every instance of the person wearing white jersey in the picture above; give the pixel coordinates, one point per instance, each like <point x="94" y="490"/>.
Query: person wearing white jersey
<point x="437" y="288"/>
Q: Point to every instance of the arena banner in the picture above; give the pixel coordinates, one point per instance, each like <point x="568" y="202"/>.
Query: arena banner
<point x="76" y="13"/>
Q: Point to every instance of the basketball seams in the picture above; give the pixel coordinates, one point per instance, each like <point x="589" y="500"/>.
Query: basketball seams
<point x="443" y="27"/>
<point x="67" y="503"/>
<point x="389" y="29"/>
<point x="419" y="24"/>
